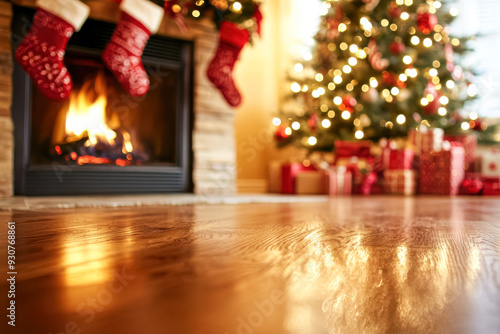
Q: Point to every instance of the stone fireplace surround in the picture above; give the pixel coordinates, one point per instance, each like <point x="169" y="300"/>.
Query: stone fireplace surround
<point x="214" y="157"/>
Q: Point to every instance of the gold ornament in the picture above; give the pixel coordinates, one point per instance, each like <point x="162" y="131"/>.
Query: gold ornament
<point x="219" y="4"/>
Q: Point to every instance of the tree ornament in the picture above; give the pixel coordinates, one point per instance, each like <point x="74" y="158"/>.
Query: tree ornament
<point x="312" y="122"/>
<point x="220" y="4"/>
<point x="397" y="47"/>
<point x="433" y="106"/>
<point x="394" y="10"/>
<point x="389" y="79"/>
<point x="232" y="39"/>
<point x="41" y="52"/>
<point x="349" y="102"/>
<point x="426" y="22"/>
<point x="375" y="57"/>
<point x="471" y="186"/>
<point x="123" y="54"/>
<point x="370" y="4"/>
<point x="280" y="133"/>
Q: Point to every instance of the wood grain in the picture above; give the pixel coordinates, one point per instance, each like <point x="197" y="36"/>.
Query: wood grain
<point x="350" y="265"/>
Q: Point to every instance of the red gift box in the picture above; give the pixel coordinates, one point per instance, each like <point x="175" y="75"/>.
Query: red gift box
<point x="442" y="172"/>
<point x="340" y="181"/>
<point x="347" y="149"/>
<point x="470" y="146"/>
<point x="289" y="172"/>
<point x="491" y="186"/>
<point x="401" y="159"/>
<point x="401" y="182"/>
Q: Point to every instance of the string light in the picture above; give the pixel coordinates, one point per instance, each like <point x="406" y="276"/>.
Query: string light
<point x="407" y="60"/>
<point x="315" y="94"/>
<point x="453" y="11"/>
<point x="401" y="119"/>
<point x="236" y="7"/>
<point x="465" y="126"/>
<point x="342" y="27"/>
<point x="337" y="100"/>
<point x="365" y="88"/>
<point x="395" y="91"/>
<point x="331" y="114"/>
<point x="195" y="13"/>
<point x="305" y="88"/>
<point x="450" y="84"/>
<point x="326" y="123"/>
<point x="176" y="8"/>
<point x="359" y="134"/>
<point x="436" y="4"/>
<point x="373" y="82"/>
<point x="444" y="100"/>
<point x="393" y="27"/>
<point x="408" y="2"/>
<point x="276" y="121"/>
<point x="424" y="101"/>
<point x="343" y="46"/>
<point x="415" y="40"/>
<point x="308" y="56"/>
<point x="347" y="69"/>
<point x="433" y="72"/>
<point x="312" y="141"/>
<point x="384" y="22"/>
<point x="473" y="116"/>
<point x="403" y="77"/>
<point x="361" y="54"/>
<point x="319" y="77"/>
<point x="436" y="64"/>
<point x="365" y="23"/>
<point x="399" y="2"/>
<point x="352" y="61"/>
<point x="442" y="111"/>
<point x="455" y="42"/>
<point x="324" y="108"/>
<point x="331" y="86"/>
<point x="298" y="67"/>
<point x="405" y="16"/>
<point x="337" y="79"/>
<point x="321" y="91"/>
<point x="346" y="114"/>
<point x="295" y="125"/>
<point x="295" y="87"/>
<point x="353" y="48"/>
<point x="288" y="131"/>
<point x="427" y="42"/>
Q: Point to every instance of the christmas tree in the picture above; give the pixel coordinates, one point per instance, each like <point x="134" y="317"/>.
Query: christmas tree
<point x="378" y="68"/>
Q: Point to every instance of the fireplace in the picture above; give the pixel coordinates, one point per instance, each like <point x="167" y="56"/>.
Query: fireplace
<point x="101" y="140"/>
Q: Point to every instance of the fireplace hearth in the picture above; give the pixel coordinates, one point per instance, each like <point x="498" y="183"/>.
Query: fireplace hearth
<point x="101" y="140"/>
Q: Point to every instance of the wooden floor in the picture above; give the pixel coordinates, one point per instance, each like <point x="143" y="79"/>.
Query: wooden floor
<point x="352" y="265"/>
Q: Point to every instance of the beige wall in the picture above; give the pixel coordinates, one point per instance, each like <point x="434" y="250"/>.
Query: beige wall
<point x="260" y="76"/>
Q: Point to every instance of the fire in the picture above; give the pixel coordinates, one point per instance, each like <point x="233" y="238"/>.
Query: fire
<point x="92" y="136"/>
<point x="86" y="118"/>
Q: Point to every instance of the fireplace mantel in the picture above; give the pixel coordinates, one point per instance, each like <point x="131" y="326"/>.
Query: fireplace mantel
<point x="213" y="139"/>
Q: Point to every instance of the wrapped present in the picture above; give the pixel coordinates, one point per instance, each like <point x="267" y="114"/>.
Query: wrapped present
<point x="401" y="159"/>
<point x="365" y="164"/>
<point x="289" y="172"/>
<point x="340" y="181"/>
<point x="449" y="169"/>
<point x="274" y="177"/>
<point x="429" y="140"/>
<point x="490" y="165"/>
<point x="348" y="149"/>
<point x="400" y="182"/>
<point x="469" y="142"/>
<point x="491" y="186"/>
<point x="442" y="172"/>
<point x="312" y="182"/>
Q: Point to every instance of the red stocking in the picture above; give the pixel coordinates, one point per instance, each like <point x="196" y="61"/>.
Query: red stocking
<point x="139" y="19"/>
<point x="220" y="71"/>
<point x="41" y="53"/>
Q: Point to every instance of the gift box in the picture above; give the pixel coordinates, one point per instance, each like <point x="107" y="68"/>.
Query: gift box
<point x="289" y="173"/>
<point x="429" y="140"/>
<point x="401" y="159"/>
<point x="490" y="165"/>
<point x="348" y="149"/>
<point x="442" y="172"/>
<point x="400" y="182"/>
<point x="469" y="142"/>
<point x="491" y="186"/>
<point x="312" y="183"/>
<point x="340" y="181"/>
<point x="274" y="177"/>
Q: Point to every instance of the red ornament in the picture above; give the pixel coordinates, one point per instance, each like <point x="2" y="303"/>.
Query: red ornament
<point x="426" y="22"/>
<point x="280" y="133"/>
<point x="394" y="10"/>
<point x="471" y="186"/>
<point x="478" y="125"/>
<point x="349" y="102"/>
<point x="313" y="122"/>
<point x="433" y="106"/>
<point x="389" y="78"/>
<point x="397" y="48"/>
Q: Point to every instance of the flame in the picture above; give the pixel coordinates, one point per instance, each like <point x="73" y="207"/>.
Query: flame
<point x="86" y="117"/>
